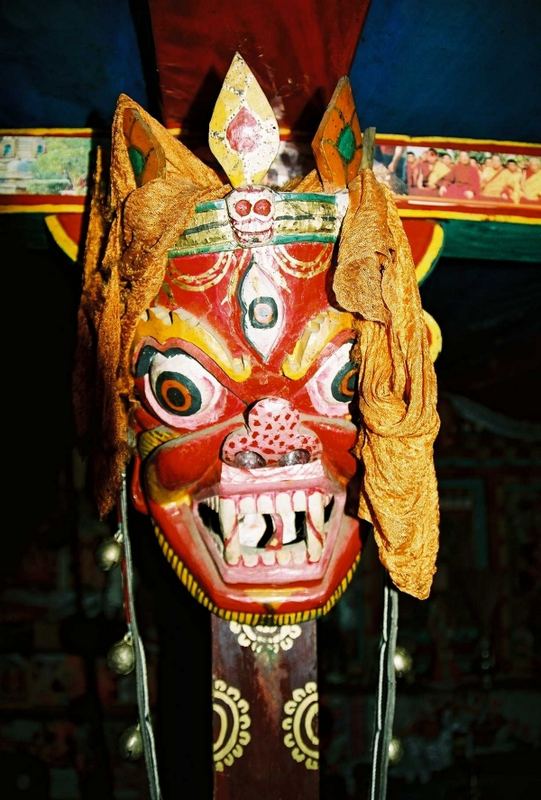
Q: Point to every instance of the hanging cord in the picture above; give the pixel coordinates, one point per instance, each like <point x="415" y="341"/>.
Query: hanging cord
<point x="145" y="723"/>
<point x="385" y="700"/>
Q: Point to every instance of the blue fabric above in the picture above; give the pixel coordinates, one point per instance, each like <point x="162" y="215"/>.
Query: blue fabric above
<point x="65" y="63"/>
<point x="451" y="68"/>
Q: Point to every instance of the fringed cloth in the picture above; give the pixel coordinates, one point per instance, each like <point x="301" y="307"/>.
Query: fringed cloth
<point x="124" y="267"/>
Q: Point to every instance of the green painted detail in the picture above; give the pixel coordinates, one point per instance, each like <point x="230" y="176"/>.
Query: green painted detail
<point x="346" y="144"/>
<point x="282" y="197"/>
<point x="497" y="241"/>
<point x="177" y="394"/>
<point x="224" y="247"/>
<point x="213" y="226"/>
<point x="325" y="238"/>
<point x="166" y="289"/>
<point x="137" y="161"/>
<point x="209" y="205"/>
<point x="299" y="218"/>
<point x="208" y="226"/>
<point x="344" y="383"/>
<point x="310" y="197"/>
<point x="221" y="247"/>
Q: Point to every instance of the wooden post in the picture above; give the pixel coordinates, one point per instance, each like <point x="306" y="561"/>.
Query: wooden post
<point x="265" y="705"/>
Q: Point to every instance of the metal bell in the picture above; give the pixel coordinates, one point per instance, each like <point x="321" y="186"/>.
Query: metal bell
<point x="121" y="656"/>
<point x="109" y="553"/>
<point x="396" y="750"/>
<point x="402" y="660"/>
<point x="131" y="743"/>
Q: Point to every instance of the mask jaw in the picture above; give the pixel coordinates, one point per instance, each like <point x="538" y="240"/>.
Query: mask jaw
<point x="249" y="603"/>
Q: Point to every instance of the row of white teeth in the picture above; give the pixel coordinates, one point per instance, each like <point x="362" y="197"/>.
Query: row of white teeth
<point x="243" y="525"/>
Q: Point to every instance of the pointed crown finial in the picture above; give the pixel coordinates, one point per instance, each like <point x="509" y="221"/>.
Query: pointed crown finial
<point x="243" y="132"/>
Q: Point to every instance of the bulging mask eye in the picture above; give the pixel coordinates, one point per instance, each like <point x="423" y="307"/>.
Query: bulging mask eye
<point x="178" y="389"/>
<point x="334" y="384"/>
<point x="345" y="382"/>
<point x="176" y="393"/>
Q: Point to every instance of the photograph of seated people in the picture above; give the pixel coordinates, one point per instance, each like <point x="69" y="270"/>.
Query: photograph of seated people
<point x="467" y="175"/>
<point x="530" y="181"/>
<point x="390" y="167"/>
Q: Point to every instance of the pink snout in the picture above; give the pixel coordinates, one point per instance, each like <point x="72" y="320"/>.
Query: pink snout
<point x="272" y="436"/>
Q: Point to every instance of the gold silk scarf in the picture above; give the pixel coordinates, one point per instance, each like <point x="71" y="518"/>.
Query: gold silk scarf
<point x="375" y="279"/>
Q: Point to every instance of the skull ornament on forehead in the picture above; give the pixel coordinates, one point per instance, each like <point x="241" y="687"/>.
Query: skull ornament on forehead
<point x="251" y="213"/>
<point x="244" y="380"/>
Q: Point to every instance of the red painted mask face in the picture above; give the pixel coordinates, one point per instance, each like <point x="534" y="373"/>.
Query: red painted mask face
<point x="217" y="331"/>
<point x="242" y="369"/>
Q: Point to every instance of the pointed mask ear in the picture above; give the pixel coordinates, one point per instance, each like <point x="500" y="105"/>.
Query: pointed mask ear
<point x="146" y="156"/>
<point x="143" y="150"/>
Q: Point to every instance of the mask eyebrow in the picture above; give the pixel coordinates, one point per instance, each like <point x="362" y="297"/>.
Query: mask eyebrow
<point x="160" y="324"/>
<point x="317" y="333"/>
<point x="146" y="357"/>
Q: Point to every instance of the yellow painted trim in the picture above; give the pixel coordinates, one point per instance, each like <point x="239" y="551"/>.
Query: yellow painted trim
<point x="393" y="137"/>
<point x="410" y="213"/>
<point x="431" y="253"/>
<point x="291" y="618"/>
<point x="46" y="208"/>
<point x="46" y="131"/>
<point x="396" y="137"/>
<point x="70" y="248"/>
<point x="183" y="325"/>
<point x="166" y="497"/>
<point x="318" y="332"/>
<point x="150" y="440"/>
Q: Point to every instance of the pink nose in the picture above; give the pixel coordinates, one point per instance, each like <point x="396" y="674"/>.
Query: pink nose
<point x="272" y="436"/>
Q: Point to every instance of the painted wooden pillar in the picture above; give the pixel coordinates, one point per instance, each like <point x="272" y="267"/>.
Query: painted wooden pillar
<point x="265" y="703"/>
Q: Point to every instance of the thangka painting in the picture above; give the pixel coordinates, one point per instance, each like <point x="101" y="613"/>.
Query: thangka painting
<point x="44" y="165"/>
<point x="458" y="172"/>
<point x="472" y="175"/>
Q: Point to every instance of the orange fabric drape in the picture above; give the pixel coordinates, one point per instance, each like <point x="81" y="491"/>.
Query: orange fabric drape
<point x="375" y="279"/>
<point x="125" y="258"/>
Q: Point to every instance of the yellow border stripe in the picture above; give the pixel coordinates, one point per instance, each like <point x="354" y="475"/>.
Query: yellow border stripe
<point x="396" y="137"/>
<point x="410" y="213"/>
<point x="406" y="213"/>
<point x="62" y="239"/>
<point x="432" y="253"/>
<point x="46" y="208"/>
<point x="75" y="132"/>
